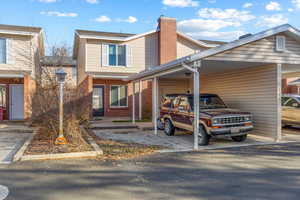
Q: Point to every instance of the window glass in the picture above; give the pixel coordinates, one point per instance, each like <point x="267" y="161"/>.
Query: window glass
<point x="114" y="96"/>
<point x="2" y="50"/>
<point x="283" y="100"/>
<point x="167" y="102"/>
<point x="112" y="55"/>
<point x="184" y="103"/>
<point x="291" y="102"/>
<point x="208" y="102"/>
<point x="118" y="96"/>
<point x="121" y="55"/>
<point x="123" y="96"/>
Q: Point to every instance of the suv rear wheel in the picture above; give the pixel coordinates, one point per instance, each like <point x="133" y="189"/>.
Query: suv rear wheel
<point x="203" y="136"/>
<point x="239" y="138"/>
<point x="169" y="128"/>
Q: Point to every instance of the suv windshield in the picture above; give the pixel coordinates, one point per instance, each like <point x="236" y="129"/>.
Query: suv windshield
<point x="209" y="102"/>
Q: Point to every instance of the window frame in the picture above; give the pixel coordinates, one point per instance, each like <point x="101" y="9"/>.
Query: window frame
<point x="117" y="48"/>
<point x="118" y="106"/>
<point x="5" y="41"/>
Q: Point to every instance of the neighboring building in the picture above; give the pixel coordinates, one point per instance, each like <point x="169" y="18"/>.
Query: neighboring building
<point x="291" y="85"/>
<point x="52" y="63"/>
<point x="104" y="59"/>
<point x="20" y="50"/>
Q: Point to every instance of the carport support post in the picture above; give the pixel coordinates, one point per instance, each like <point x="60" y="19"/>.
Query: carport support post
<point x="140" y="100"/>
<point x="279" y="83"/>
<point x="133" y="103"/>
<point x="154" y="95"/>
<point x="196" y="106"/>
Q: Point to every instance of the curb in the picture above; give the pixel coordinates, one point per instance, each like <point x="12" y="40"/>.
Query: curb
<point x="21" y="151"/>
<point x="87" y="154"/>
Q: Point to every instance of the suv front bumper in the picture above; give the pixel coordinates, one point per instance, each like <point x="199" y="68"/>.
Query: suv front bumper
<point x="231" y="131"/>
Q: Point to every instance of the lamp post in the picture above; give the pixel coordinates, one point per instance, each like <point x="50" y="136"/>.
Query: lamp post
<point x="61" y="75"/>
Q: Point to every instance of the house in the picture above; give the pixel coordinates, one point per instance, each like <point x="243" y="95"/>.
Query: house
<point x="50" y="64"/>
<point x="291" y="85"/>
<point x="105" y="59"/>
<point x="21" y="48"/>
<point x="246" y="73"/>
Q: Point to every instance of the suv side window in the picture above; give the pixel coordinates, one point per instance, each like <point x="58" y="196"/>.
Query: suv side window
<point x="184" y="104"/>
<point x="167" y="102"/>
<point x="291" y="102"/>
<point x="284" y="100"/>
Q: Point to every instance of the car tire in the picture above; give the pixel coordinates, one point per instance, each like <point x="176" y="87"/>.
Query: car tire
<point x="239" y="138"/>
<point x="169" y="128"/>
<point x="203" y="137"/>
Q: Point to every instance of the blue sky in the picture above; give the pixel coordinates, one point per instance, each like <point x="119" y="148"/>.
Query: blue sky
<point x="206" y="19"/>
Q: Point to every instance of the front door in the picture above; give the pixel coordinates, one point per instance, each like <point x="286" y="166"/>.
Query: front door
<point x="16" y="101"/>
<point x="98" y="100"/>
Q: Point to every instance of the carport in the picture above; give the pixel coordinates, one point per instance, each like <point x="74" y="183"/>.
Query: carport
<point x="245" y="73"/>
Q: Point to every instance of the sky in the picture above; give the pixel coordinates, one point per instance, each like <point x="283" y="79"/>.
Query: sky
<point x="222" y="20"/>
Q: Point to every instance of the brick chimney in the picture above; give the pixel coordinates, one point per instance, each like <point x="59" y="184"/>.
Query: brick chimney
<point x="167" y="39"/>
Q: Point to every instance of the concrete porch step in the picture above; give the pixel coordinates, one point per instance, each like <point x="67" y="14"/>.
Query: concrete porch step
<point x="4" y="128"/>
<point x="105" y="126"/>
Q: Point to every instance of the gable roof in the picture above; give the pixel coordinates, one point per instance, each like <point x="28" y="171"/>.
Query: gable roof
<point x="124" y="37"/>
<point x="19" y="30"/>
<point x="286" y="28"/>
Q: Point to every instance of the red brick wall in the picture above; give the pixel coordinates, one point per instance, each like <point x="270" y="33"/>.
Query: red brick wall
<point x="147" y="99"/>
<point x="288" y="89"/>
<point x="86" y="92"/>
<point x="115" y="112"/>
<point x="167" y="39"/>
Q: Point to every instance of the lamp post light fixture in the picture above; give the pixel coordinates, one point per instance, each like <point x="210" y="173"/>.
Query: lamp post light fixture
<point x="61" y="76"/>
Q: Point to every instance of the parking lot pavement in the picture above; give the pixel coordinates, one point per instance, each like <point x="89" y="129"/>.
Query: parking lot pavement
<point x="182" y="141"/>
<point x="247" y="173"/>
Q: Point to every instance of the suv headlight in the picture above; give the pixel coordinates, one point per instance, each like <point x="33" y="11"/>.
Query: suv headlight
<point x="215" y="121"/>
<point x="248" y="118"/>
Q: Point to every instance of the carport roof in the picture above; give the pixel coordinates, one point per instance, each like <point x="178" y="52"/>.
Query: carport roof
<point x="287" y="28"/>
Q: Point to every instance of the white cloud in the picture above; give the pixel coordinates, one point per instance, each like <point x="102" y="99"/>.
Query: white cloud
<point x="271" y="21"/>
<point x="130" y="20"/>
<point x="59" y="14"/>
<point x="229" y="36"/>
<point x="181" y="3"/>
<point x="199" y="25"/>
<point x="247" y="5"/>
<point x="92" y="1"/>
<point x="291" y="10"/>
<point x="227" y="14"/>
<point x="296" y="3"/>
<point x="273" y="6"/>
<point x="103" y="18"/>
<point x="47" y="1"/>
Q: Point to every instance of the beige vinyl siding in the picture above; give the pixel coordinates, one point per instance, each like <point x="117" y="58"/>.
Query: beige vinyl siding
<point x="21" y="51"/>
<point x="144" y="55"/>
<point x="263" y="51"/>
<point x="251" y="89"/>
<point x="173" y="86"/>
<point x="186" y="47"/>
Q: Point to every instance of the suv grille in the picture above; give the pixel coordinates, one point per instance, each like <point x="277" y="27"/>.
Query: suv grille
<point x="232" y="120"/>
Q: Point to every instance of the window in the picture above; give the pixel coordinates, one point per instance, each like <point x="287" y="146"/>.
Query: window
<point x="2" y="50"/>
<point x="183" y="104"/>
<point x="116" y="55"/>
<point x="283" y="100"/>
<point x="280" y="43"/>
<point x="291" y="103"/>
<point x="118" y="96"/>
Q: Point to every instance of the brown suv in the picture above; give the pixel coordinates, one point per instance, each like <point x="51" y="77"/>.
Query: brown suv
<point x="216" y="118"/>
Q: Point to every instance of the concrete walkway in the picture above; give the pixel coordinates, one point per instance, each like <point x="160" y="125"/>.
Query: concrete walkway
<point x="12" y="136"/>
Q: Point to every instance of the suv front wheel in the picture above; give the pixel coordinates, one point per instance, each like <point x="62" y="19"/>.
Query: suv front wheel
<point x="203" y="136"/>
<point x="169" y="128"/>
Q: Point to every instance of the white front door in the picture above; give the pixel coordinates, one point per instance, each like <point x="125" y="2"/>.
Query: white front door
<point x="16" y="101"/>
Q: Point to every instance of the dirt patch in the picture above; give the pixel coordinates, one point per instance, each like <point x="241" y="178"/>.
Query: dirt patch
<point x="117" y="150"/>
<point x="43" y="143"/>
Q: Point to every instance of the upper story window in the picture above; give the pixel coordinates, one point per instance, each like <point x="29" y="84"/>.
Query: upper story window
<point x="2" y="50"/>
<point x="116" y="55"/>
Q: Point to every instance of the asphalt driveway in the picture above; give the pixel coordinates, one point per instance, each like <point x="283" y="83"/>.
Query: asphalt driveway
<point x="256" y="172"/>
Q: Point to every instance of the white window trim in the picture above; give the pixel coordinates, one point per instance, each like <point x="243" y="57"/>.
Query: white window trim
<point x="119" y="96"/>
<point x="278" y="49"/>
<point x="117" y="46"/>
<point x="5" y="39"/>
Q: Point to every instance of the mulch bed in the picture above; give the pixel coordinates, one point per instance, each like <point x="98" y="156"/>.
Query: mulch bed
<point x="43" y="143"/>
<point x="117" y="150"/>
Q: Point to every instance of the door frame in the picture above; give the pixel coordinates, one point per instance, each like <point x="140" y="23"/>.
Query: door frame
<point x="10" y="101"/>
<point x="103" y="98"/>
